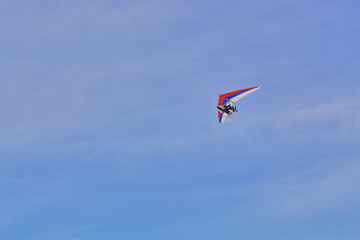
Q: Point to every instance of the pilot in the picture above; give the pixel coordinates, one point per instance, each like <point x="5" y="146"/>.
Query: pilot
<point x="228" y="108"/>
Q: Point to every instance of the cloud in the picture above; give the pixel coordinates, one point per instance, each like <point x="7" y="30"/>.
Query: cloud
<point x="340" y="117"/>
<point x="330" y="185"/>
<point x="326" y="122"/>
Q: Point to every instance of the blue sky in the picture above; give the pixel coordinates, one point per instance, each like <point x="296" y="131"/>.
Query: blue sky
<point x="108" y="128"/>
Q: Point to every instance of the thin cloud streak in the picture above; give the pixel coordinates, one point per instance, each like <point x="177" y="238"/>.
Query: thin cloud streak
<point x="315" y="190"/>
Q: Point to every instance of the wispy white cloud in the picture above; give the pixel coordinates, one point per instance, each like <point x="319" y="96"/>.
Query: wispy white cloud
<point x="331" y="121"/>
<point x="338" y="117"/>
<point x="325" y="187"/>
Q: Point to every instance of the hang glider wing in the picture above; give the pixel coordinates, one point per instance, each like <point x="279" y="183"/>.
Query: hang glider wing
<point x="222" y="117"/>
<point x="233" y="97"/>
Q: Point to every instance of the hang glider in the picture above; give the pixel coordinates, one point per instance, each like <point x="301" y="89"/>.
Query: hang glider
<point x="226" y="105"/>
